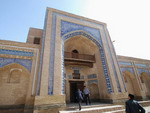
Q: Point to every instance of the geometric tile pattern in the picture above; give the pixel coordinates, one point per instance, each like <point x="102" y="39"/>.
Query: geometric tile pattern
<point x="140" y="71"/>
<point x="62" y="68"/>
<point x="82" y="77"/>
<point x="70" y="76"/>
<point x="92" y="76"/>
<point x="52" y="53"/>
<point x="24" y="62"/>
<point x="16" y="52"/>
<point x="141" y="65"/>
<point x="92" y="81"/>
<point x="129" y="69"/>
<point x="67" y="27"/>
<point x="125" y="63"/>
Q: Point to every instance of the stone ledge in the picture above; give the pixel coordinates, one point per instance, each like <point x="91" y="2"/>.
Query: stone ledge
<point x="8" y="107"/>
<point x="44" y="107"/>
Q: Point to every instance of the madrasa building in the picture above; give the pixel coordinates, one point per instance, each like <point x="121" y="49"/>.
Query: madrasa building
<point x="70" y="52"/>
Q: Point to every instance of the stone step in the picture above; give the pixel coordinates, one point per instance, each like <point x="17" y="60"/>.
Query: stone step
<point x="95" y="109"/>
<point x="100" y="108"/>
<point x="144" y="103"/>
<point x="116" y="111"/>
<point x="93" y="105"/>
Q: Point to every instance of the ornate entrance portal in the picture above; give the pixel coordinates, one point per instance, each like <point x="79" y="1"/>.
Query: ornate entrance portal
<point x="75" y="48"/>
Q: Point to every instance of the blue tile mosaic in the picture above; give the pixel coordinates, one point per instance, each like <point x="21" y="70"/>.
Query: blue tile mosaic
<point x="63" y="74"/>
<point x="15" y="52"/>
<point x="92" y="82"/>
<point x="127" y="69"/>
<point x="70" y="77"/>
<point x="24" y="62"/>
<point x="125" y="63"/>
<point x="140" y="71"/>
<point x="52" y="53"/>
<point x="67" y="27"/>
<point x="92" y="76"/>
<point x="141" y="65"/>
<point x="82" y="77"/>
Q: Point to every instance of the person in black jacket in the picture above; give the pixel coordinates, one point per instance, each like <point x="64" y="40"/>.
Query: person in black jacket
<point x="132" y="106"/>
<point x="79" y="97"/>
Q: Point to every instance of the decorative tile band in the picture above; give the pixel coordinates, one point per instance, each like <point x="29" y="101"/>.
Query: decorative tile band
<point x="15" y="52"/>
<point x="127" y="69"/>
<point x="67" y="27"/>
<point x="24" y="62"/>
<point x="62" y="68"/>
<point x="82" y="77"/>
<point x="52" y="53"/>
<point x="92" y="76"/>
<point x="82" y="33"/>
<point x="125" y="63"/>
<point x="70" y="77"/>
<point x="92" y="82"/>
<point x="140" y="71"/>
<point x="141" y="65"/>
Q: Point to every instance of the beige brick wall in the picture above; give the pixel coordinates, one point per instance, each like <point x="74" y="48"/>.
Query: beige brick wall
<point x="34" y="32"/>
<point x="18" y="85"/>
<point x="13" y="86"/>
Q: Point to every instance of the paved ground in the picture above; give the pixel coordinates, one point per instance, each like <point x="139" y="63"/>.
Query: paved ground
<point x="147" y="109"/>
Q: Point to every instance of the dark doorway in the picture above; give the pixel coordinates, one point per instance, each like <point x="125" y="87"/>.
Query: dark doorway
<point x="74" y="85"/>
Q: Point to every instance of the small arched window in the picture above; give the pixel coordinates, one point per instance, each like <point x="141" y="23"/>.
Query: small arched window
<point x="75" y="51"/>
<point x="75" y="54"/>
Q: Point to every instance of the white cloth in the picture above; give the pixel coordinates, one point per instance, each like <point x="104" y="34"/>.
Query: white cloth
<point x="86" y="91"/>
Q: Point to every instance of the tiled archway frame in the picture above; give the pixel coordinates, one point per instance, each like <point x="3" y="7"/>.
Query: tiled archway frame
<point x="24" y="62"/>
<point x="101" y="51"/>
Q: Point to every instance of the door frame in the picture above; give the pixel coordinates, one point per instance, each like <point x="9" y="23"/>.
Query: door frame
<point x="70" y="90"/>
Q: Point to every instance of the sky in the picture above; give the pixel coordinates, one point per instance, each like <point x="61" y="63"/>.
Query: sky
<point x="128" y="21"/>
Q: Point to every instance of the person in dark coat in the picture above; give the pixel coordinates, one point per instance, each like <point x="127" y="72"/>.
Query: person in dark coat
<point x="132" y="106"/>
<point x="79" y="97"/>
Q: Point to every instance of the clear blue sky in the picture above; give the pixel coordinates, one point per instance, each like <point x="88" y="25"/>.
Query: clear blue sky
<point x="18" y="15"/>
<point x="128" y="21"/>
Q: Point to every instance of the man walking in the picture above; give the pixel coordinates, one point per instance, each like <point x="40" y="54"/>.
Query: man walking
<point x="87" y="95"/>
<point x="79" y="97"/>
<point x="132" y="106"/>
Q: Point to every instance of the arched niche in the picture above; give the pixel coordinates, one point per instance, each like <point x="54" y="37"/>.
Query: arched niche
<point x="129" y="82"/>
<point x="94" y="91"/>
<point x="14" y="84"/>
<point x="145" y="80"/>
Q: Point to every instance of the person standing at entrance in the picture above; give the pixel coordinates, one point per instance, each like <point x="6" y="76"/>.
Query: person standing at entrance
<point x="132" y="106"/>
<point x="79" y="97"/>
<point x="87" y="95"/>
